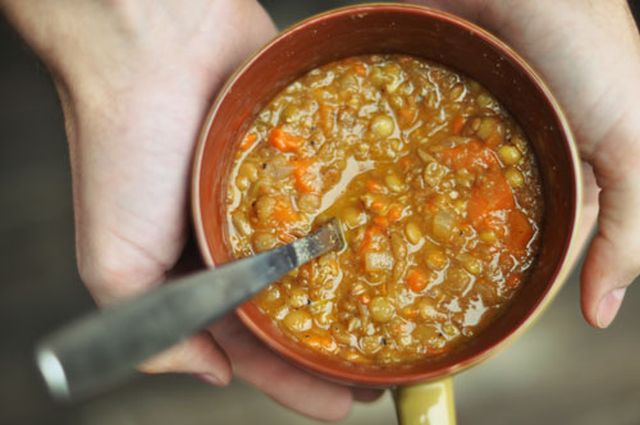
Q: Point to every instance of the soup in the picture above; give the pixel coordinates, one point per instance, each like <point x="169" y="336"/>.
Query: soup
<point x="437" y="190"/>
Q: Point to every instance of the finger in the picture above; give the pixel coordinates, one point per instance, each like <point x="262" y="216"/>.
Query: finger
<point x="284" y="383"/>
<point x="612" y="261"/>
<point x="468" y="9"/>
<point x="366" y="395"/>
<point x="589" y="217"/>
<point x="199" y="355"/>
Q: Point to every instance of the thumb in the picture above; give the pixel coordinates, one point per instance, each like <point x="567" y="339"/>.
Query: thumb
<point x="468" y="9"/>
<point x="613" y="259"/>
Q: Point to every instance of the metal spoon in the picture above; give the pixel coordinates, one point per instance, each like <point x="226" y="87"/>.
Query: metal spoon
<point x="104" y="348"/>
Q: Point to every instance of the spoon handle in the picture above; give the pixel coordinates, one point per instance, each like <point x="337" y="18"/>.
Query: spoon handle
<point x="104" y="348"/>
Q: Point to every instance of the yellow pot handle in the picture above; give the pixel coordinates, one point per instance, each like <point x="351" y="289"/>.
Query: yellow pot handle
<point x="430" y="403"/>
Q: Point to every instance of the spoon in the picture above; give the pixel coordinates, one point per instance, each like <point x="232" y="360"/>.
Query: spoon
<point x="104" y="348"/>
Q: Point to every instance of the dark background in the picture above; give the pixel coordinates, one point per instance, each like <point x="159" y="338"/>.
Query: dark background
<point x="561" y="372"/>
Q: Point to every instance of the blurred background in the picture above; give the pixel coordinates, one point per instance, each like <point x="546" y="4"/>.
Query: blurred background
<point x="560" y="372"/>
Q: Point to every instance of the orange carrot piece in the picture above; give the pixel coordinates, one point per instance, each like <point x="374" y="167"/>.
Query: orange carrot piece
<point x="493" y="140"/>
<point x="457" y="124"/>
<point x="520" y="231"/>
<point x="494" y="194"/>
<point x="306" y="180"/>
<point x="374" y="186"/>
<point x="381" y="221"/>
<point x="395" y="213"/>
<point x="364" y="299"/>
<point x="417" y="280"/>
<point x="360" y="69"/>
<point x="377" y="207"/>
<point x="471" y="155"/>
<point x="367" y="240"/>
<point x="286" y="237"/>
<point x="283" y="141"/>
<point x="409" y="313"/>
<point x="316" y="341"/>
<point x="248" y="141"/>
<point x="283" y="213"/>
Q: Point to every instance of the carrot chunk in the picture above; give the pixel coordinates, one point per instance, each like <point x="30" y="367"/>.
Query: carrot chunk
<point x="472" y="156"/>
<point x="417" y="279"/>
<point x="374" y="186"/>
<point x="492" y="194"/>
<point x="317" y="341"/>
<point x="367" y="240"/>
<point x="493" y="140"/>
<point x="283" y="141"/>
<point x="520" y="231"/>
<point x="248" y="141"/>
<point x="457" y="124"/>
<point x="283" y="213"/>
<point x="360" y="69"/>
<point x="394" y="214"/>
<point x="306" y="178"/>
<point x="381" y="221"/>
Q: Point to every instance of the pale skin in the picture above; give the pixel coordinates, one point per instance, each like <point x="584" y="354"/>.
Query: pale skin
<point x="135" y="80"/>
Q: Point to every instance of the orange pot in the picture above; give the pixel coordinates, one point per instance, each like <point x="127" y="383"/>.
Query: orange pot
<point x="423" y="391"/>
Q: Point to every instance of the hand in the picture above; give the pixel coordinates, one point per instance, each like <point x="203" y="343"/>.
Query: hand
<point x="589" y="53"/>
<point x="135" y="80"/>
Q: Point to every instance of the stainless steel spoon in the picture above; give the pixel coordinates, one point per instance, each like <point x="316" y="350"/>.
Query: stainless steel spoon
<point x="104" y="348"/>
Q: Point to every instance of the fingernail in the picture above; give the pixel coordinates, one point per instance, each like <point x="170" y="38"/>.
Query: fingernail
<point x="609" y="307"/>
<point x="208" y="378"/>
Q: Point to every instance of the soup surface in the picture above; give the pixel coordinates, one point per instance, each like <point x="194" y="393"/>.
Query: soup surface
<point x="436" y="188"/>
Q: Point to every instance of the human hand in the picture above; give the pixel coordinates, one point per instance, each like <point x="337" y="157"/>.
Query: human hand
<point x="136" y="79"/>
<point x="589" y="53"/>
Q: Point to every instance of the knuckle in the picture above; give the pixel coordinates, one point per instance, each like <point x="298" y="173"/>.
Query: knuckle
<point x="110" y="273"/>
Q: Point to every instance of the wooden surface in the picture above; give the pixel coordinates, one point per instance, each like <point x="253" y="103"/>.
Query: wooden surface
<point x="561" y="372"/>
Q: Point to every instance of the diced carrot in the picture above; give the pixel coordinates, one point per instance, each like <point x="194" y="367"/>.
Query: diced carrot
<point x="409" y="312"/>
<point x="381" y="221"/>
<point x="283" y="213"/>
<point x="377" y="207"/>
<point x="360" y="69"/>
<point x="520" y="231"/>
<point x="248" y="141"/>
<point x="283" y="141"/>
<point x="493" y="194"/>
<point x="471" y="155"/>
<point x="493" y="140"/>
<point x="367" y="241"/>
<point x="395" y="213"/>
<point x="374" y="186"/>
<point x="316" y="341"/>
<point x="417" y="279"/>
<point x="364" y="299"/>
<point x="306" y="180"/>
<point x="286" y="237"/>
<point x="457" y="124"/>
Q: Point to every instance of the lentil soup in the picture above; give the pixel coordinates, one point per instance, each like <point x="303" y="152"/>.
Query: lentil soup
<point x="437" y="190"/>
